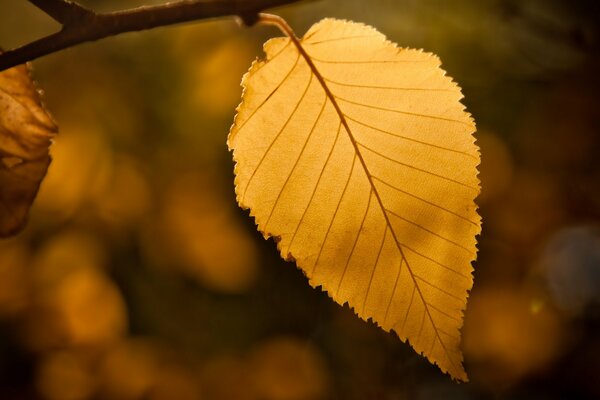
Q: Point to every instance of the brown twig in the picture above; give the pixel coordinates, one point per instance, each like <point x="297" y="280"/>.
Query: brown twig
<point x="80" y="24"/>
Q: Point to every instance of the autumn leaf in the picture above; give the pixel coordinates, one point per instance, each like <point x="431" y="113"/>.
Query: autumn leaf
<point x="358" y="157"/>
<point x="26" y="131"/>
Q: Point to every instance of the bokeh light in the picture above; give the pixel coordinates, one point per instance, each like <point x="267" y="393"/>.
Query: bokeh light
<point x="138" y="277"/>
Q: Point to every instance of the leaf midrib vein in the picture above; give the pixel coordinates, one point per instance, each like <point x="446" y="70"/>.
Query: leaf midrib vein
<point x="341" y="115"/>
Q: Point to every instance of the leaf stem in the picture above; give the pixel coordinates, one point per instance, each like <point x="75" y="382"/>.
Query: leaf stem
<point x="279" y="22"/>
<point x="80" y="24"/>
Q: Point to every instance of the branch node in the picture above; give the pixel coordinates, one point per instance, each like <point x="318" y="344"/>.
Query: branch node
<point x="249" y="19"/>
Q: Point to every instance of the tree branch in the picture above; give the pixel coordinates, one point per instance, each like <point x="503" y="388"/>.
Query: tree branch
<point x="80" y="25"/>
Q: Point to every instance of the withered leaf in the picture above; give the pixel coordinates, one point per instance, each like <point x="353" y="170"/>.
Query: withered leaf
<point x="363" y="165"/>
<point x="26" y="132"/>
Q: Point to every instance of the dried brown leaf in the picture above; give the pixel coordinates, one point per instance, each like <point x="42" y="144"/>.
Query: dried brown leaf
<point x="26" y="132"/>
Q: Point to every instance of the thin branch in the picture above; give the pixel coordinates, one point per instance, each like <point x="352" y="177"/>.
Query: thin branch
<point x="80" y="25"/>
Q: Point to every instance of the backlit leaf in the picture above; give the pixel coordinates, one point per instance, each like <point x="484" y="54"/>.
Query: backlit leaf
<point x="26" y="131"/>
<point x="363" y="166"/>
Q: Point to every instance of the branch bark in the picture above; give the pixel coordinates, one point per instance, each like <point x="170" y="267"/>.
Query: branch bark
<point x="80" y="25"/>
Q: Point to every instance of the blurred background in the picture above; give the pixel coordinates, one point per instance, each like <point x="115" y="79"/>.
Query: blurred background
<point x="139" y="278"/>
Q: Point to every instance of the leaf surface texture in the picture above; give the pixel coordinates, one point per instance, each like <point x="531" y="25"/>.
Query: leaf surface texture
<point x="364" y="168"/>
<point x="26" y="131"/>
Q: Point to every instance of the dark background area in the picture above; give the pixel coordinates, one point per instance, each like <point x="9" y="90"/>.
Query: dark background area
<point x="139" y="278"/>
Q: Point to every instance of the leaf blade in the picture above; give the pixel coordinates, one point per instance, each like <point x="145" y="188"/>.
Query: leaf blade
<point x="338" y="230"/>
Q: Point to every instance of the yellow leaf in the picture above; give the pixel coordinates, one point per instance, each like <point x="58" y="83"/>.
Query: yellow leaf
<point x="26" y="131"/>
<point x="359" y="158"/>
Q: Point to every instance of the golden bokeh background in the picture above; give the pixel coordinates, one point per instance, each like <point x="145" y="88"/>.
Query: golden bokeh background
<point x="139" y="278"/>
